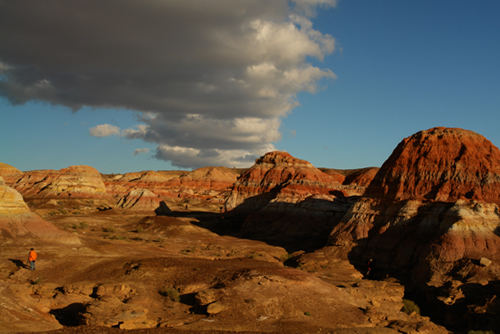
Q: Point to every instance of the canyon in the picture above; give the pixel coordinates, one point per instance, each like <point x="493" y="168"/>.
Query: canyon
<point x="279" y="247"/>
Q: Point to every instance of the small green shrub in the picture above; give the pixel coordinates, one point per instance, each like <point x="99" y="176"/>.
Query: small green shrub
<point x="307" y="313"/>
<point x="480" y="332"/>
<point x="109" y="229"/>
<point x="409" y="307"/>
<point x="171" y="293"/>
<point x="139" y="229"/>
<point x="38" y="280"/>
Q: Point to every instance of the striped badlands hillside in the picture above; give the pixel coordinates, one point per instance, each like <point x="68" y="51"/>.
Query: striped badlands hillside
<point x="279" y="173"/>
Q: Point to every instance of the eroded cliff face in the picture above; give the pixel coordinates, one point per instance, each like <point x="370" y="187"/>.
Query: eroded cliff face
<point x="76" y="182"/>
<point x="202" y="189"/>
<point x="438" y="185"/>
<point x="441" y="164"/>
<point x="19" y="225"/>
<point x="285" y="197"/>
<point x="431" y="217"/>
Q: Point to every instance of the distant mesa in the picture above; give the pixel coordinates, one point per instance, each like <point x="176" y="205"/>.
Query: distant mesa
<point x="216" y="178"/>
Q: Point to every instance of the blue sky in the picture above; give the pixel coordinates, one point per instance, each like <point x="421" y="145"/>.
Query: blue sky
<point x="399" y="66"/>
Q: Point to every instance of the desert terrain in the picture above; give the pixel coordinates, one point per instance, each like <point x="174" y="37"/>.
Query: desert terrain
<point x="280" y="247"/>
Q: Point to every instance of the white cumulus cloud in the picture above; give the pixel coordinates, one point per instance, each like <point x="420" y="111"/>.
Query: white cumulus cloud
<point x="104" y="130"/>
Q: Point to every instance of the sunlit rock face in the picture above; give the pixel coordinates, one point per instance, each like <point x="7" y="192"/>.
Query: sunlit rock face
<point x="74" y="182"/>
<point x="435" y="199"/>
<point x="441" y="164"/>
<point x="142" y="200"/>
<point x="201" y="189"/>
<point x="278" y="174"/>
<point x="18" y="224"/>
<point x="10" y="174"/>
<point x="283" y="196"/>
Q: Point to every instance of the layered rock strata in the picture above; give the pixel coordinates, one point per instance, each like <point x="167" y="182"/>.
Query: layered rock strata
<point x="435" y="198"/>
<point x="82" y="182"/>
<point x="18" y="224"/>
<point x="283" y="196"/>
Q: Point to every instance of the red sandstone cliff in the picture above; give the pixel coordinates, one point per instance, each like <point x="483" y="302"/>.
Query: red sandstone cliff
<point x="282" y="196"/>
<point x="442" y="164"/>
<point x="434" y="199"/>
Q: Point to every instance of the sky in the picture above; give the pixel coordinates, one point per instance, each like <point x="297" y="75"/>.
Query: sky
<point x="126" y="86"/>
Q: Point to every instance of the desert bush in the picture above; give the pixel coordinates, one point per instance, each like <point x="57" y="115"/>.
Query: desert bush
<point x="139" y="229"/>
<point x="38" y="280"/>
<point x="83" y="225"/>
<point x="171" y="293"/>
<point x="409" y="307"/>
<point x="109" y="229"/>
<point x="480" y="332"/>
<point x="307" y="313"/>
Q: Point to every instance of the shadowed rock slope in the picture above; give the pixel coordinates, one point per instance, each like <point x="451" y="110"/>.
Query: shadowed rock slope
<point x="431" y="214"/>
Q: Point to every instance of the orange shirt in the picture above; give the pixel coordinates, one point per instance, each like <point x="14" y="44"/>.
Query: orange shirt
<point x="32" y="256"/>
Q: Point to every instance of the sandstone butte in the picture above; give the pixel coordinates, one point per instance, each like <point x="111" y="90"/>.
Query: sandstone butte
<point x="284" y="199"/>
<point x="278" y="173"/>
<point x="18" y="224"/>
<point x="441" y="164"/>
<point x="433" y="202"/>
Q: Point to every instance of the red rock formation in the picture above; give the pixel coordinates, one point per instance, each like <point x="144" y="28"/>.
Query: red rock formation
<point x="74" y="182"/>
<point x="360" y="177"/>
<point x="284" y="197"/>
<point x="279" y="173"/>
<point x="18" y="223"/>
<point x="435" y="199"/>
<point x="204" y="188"/>
<point x="142" y="200"/>
<point x="442" y="164"/>
<point x="9" y="173"/>
<point x="216" y="178"/>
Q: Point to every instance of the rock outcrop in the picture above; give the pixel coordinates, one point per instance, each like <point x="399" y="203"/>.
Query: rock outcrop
<point x="285" y="197"/>
<point x="10" y="174"/>
<point x="441" y="164"/>
<point x="75" y="182"/>
<point x="440" y="184"/>
<point x="142" y="200"/>
<point x="430" y="214"/>
<point x="202" y="189"/>
<point x="18" y="224"/>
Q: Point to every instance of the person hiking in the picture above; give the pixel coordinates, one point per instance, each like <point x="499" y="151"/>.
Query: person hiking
<point x="369" y="272"/>
<point x="32" y="258"/>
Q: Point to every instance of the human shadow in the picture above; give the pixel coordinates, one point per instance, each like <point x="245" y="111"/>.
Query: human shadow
<point x="18" y="263"/>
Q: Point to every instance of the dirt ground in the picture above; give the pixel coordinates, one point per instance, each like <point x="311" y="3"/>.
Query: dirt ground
<point x="129" y="263"/>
